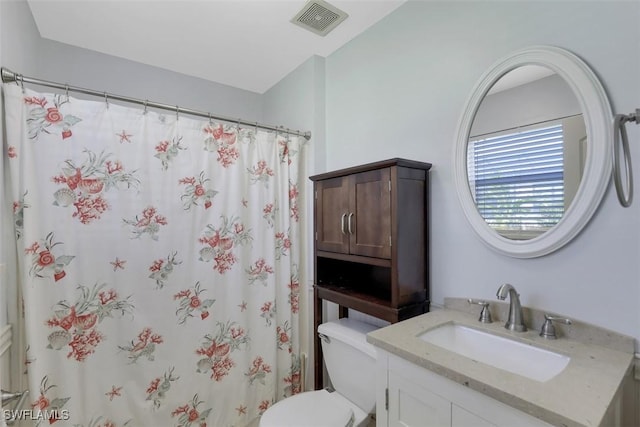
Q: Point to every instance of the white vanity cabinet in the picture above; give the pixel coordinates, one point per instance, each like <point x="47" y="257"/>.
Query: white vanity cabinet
<point x="411" y="396"/>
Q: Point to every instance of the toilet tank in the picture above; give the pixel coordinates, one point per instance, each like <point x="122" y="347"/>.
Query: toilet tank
<point x="350" y="360"/>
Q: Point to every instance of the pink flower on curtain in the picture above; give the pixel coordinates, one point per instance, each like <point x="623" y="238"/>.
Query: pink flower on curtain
<point x="264" y="405"/>
<point x="268" y="312"/>
<point x="269" y="214"/>
<point x="259" y="272"/>
<point x="196" y="191"/>
<point x="49" y="407"/>
<point x="258" y="371"/>
<point x="147" y="223"/>
<point x="283" y="244"/>
<point x="294" y="287"/>
<point x="167" y="151"/>
<point x="285" y="151"/>
<point x="260" y="173"/>
<point x="283" y="334"/>
<point x="84" y="185"/>
<point x="44" y="263"/>
<point x="219" y="243"/>
<point x="158" y="388"/>
<point x="189" y="300"/>
<point x="293" y="202"/>
<point x="188" y="414"/>
<point x="217" y="349"/>
<point x="76" y="325"/>
<point x="41" y="117"/>
<point x="222" y="140"/>
<point x="160" y="270"/>
<point x="293" y="379"/>
<point x="143" y="346"/>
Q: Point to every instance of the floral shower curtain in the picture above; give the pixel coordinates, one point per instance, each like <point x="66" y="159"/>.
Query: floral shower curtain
<point x="159" y="263"/>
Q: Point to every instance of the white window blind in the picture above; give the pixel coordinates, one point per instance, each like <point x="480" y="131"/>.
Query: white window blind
<point x="518" y="180"/>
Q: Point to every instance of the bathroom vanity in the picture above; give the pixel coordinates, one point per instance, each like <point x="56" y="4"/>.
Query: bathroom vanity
<point x="421" y="383"/>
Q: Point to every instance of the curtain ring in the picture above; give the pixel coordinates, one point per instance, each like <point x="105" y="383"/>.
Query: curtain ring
<point x="256" y="131"/>
<point x="21" y="78"/>
<point x="146" y="102"/>
<point x="210" y="120"/>
<point x="106" y="100"/>
<point x="66" y="91"/>
<point x="238" y="126"/>
<point x="177" y="111"/>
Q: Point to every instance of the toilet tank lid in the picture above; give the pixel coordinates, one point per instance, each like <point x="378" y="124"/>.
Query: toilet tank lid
<point x="351" y="332"/>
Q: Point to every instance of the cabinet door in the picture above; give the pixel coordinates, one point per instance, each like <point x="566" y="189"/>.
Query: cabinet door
<point x="413" y="406"/>
<point x="332" y="211"/>
<point x="460" y="417"/>
<point x="369" y="221"/>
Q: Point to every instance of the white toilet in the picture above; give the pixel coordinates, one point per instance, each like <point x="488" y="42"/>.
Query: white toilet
<point x="350" y="362"/>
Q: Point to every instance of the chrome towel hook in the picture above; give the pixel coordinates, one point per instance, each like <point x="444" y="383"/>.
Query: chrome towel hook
<point x="620" y="133"/>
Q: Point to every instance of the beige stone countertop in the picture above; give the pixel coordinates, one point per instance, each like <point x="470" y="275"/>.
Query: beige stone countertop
<point x="580" y="395"/>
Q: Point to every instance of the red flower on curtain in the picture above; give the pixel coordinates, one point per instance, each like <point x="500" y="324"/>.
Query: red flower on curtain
<point x="188" y="414"/>
<point x="76" y="325"/>
<point x="222" y="140"/>
<point x="86" y="184"/>
<point x="196" y="191"/>
<point x="217" y="349"/>
<point x="259" y="272"/>
<point x="189" y="300"/>
<point x="41" y="117"/>
<point x="144" y="346"/>
<point x="158" y="388"/>
<point x="160" y="270"/>
<point x="294" y="287"/>
<point x="148" y="222"/>
<point x="48" y="407"/>
<point x="44" y="263"/>
<point x="219" y="243"/>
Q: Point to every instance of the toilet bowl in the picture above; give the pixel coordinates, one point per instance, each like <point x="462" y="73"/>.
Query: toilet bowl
<point x="350" y="362"/>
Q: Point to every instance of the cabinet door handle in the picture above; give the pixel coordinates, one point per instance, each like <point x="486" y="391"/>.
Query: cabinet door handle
<point x="349" y="223"/>
<point x="342" y="218"/>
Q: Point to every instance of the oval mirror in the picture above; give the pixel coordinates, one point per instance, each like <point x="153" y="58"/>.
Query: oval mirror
<point x="532" y="154"/>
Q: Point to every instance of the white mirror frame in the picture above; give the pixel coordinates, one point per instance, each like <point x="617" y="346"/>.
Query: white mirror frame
<point x="597" y="170"/>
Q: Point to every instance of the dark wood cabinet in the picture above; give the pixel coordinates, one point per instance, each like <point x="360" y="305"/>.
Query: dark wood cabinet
<point x="371" y="242"/>
<point x="354" y="214"/>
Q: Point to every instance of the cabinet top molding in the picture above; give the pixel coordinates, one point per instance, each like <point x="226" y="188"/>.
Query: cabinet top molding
<point x="375" y="165"/>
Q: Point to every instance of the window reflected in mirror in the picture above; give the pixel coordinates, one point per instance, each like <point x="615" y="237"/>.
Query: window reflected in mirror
<point x="526" y="152"/>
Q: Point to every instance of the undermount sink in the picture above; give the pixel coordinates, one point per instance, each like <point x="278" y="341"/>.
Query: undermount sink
<point x="503" y="353"/>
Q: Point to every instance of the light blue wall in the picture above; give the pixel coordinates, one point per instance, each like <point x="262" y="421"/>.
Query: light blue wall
<point x="398" y="90"/>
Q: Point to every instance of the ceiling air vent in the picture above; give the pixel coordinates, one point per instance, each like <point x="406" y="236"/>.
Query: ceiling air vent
<point x="319" y="17"/>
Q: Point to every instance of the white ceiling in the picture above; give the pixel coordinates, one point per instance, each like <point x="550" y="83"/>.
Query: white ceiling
<point x="247" y="44"/>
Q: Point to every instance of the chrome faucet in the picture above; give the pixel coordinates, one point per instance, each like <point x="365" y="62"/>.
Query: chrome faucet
<point x="515" y="321"/>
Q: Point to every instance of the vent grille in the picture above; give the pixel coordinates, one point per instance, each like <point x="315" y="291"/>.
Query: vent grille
<point x="319" y="17"/>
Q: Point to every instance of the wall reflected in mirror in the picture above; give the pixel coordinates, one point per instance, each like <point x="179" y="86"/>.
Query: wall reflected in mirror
<point x="526" y="152"/>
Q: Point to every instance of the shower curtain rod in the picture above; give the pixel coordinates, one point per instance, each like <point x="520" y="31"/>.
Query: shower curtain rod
<point x="9" y="76"/>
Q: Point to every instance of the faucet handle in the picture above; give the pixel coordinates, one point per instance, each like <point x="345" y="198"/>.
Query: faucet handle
<point x="485" y="314"/>
<point x="548" y="330"/>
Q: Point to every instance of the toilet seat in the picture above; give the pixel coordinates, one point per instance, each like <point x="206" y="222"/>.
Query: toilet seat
<point x="310" y="409"/>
